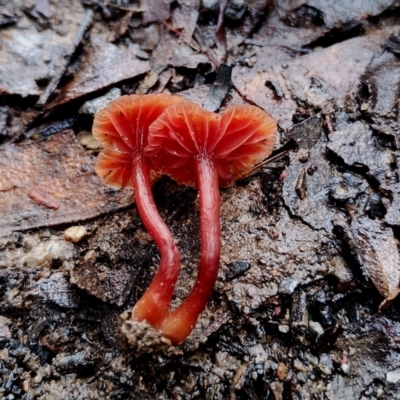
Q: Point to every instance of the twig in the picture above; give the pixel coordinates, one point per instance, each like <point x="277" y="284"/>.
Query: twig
<point x="262" y="164"/>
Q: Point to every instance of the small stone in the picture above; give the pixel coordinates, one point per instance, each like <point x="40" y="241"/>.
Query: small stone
<point x="236" y="269"/>
<point x="393" y="376"/>
<point x="25" y="385"/>
<point x="273" y="365"/>
<point x="91" y="256"/>
<point x="277" y="389"/>
<point x="142" y="55"/>
<point x="352" y="351"/>
<point x="364" y="107"/>
<point x="225" y="361"/>
<point x="301" y="377"/>
<point x="61" y="30"/>
<point x="282" y="371"/>
<point x="389" y="174"/>
<point x="315" y="328"/>
<point x="5" y="333"/>
<point x="288" y="285"/>
<point x="312" y="359"/>
<point x="283" y="328"/>
<point x="325" y="364"/>
<point x="345" y="368"/>
<point x="297" y="364"/>
<point x="46" y="370"/>
<point x="11" y="294"/>
<point x="45" y="274"/>
<point x="45" y="252"/>
<point x="303" y="155"/>
<point x="24" y="376"/>
<point x="4" y="354"/>
<point x="379" y="392"/>
<point x="251" y="61"/>
<point x="75" y="234"/>
<point x="38" y="378"/>
<point x="87" y="140"/>
<point x="125" y="315"/>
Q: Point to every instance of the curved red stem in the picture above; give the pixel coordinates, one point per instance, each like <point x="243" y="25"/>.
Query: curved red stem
<point x="179" y="323"/>
<point x="154" y="304"/>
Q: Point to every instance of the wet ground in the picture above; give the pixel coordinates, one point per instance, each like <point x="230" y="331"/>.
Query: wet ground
<point x="305" y="306"/>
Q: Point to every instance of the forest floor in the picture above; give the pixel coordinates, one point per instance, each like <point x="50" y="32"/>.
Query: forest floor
<point x="305" y="303"/>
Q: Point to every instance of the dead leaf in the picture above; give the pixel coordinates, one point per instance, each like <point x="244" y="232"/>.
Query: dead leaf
<point x="378" y="255"/>
<point x="316" y="78"/>
<point x="103" y="65"/>
<point x="175" y="53"/>
<point x="331" y="73"/>
<point x="174" y="48"/>
<point x="62" y="174"/>
<point x="184" y="18"/>
<point x="39" y="51"/>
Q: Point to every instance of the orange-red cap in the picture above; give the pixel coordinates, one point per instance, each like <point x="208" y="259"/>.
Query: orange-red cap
<point x="122" y="128"/>
<point x="236" y="140"/>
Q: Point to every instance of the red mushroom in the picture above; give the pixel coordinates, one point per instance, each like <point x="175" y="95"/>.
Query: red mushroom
<point x="204" y="149"/>
<point x="122" y="127"/>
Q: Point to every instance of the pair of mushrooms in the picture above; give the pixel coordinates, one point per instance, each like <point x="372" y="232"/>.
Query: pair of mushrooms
<point x="150" y="135"/>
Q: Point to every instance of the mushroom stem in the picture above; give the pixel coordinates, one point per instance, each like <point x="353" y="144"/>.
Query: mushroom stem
<point x="154" y="304"/>
<point x="179" y="323"/>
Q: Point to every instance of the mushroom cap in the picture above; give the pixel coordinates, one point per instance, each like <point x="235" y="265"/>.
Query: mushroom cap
<point x="122" y="128"/>
<point x="236" y="140"/>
